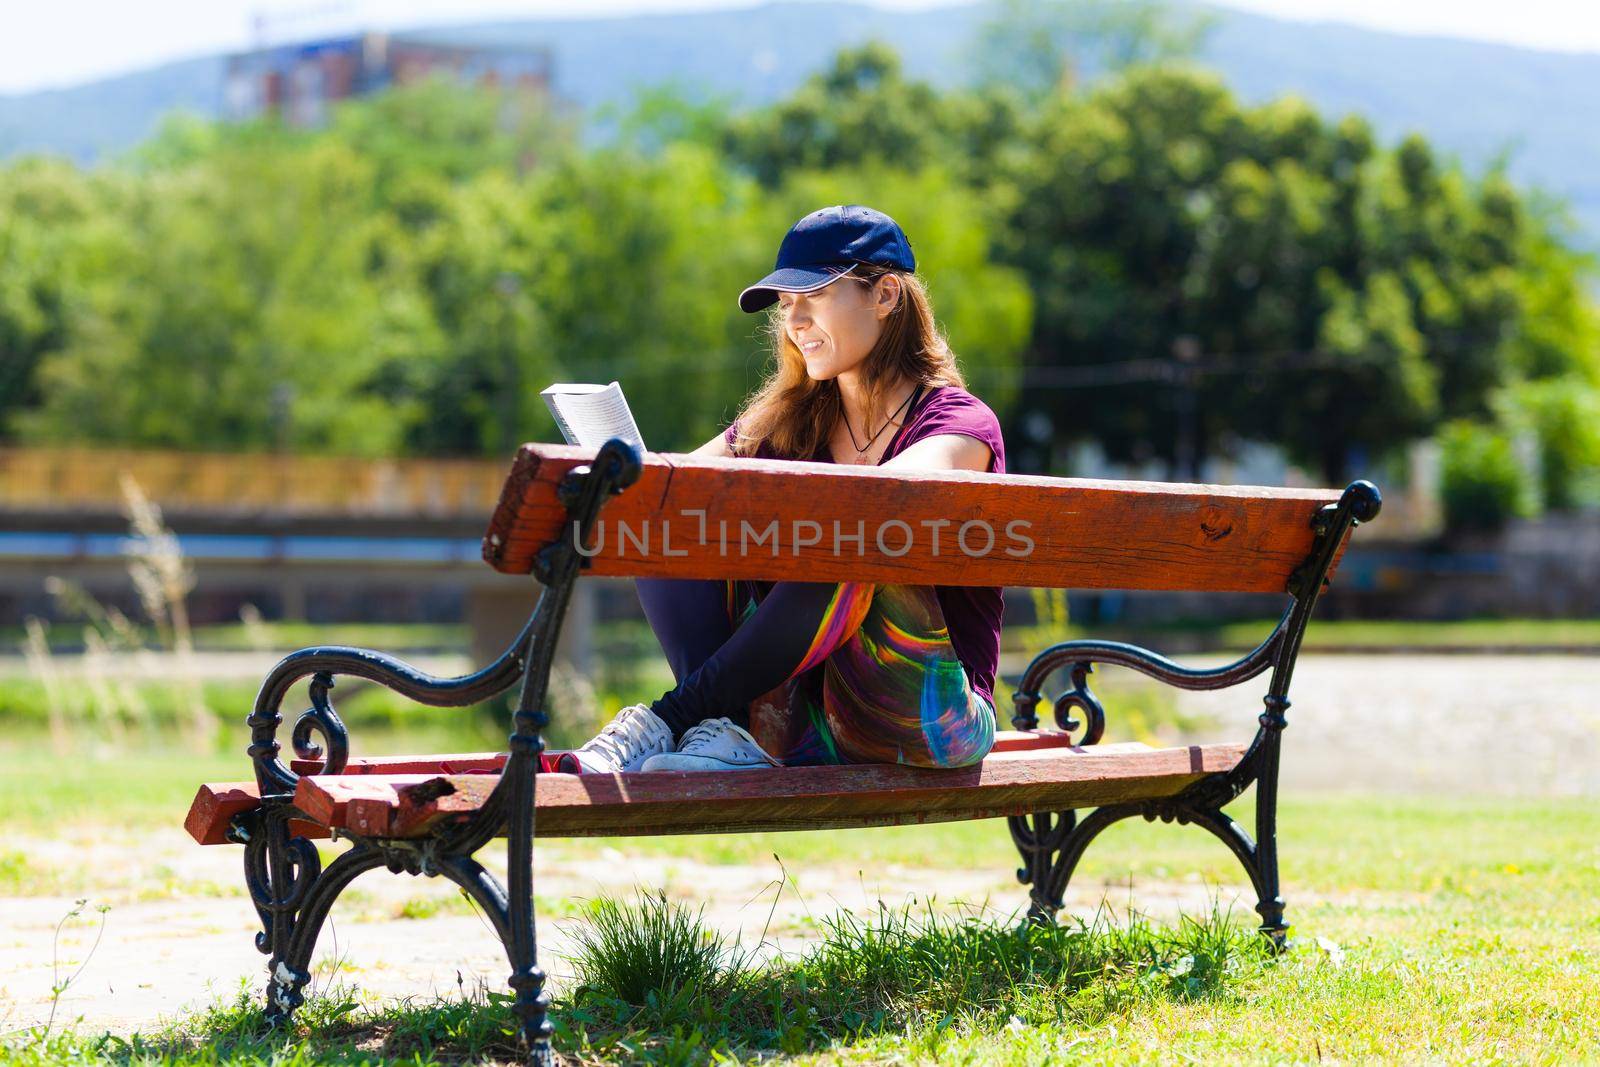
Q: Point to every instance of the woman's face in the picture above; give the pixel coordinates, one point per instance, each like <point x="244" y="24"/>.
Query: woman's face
<point x="836" y="326"/>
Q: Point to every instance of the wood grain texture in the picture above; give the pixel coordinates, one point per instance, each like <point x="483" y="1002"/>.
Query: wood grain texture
<point x="379" y="795"/>
<point x="494" y="762"/>
<point x="328" y="801"/>
<point x="791" y="798"/>
<point x="215" y="805"/>
<point x="1085" y="533"/>
<point x="448" y="763"/>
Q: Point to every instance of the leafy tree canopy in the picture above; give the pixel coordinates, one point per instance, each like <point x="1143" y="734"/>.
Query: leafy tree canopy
<point x="1136" y="258"/>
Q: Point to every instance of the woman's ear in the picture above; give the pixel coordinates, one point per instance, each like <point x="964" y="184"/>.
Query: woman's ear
<point x="886" y="293"/>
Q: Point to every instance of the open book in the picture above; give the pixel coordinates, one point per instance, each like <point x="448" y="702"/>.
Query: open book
<point x="590" y="415"/>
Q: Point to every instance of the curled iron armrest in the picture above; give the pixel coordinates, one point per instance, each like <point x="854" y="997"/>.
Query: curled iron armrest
<point x="1360" y="502"/>
<point x="1079" y="656"/>
<point x="322" y="665"/>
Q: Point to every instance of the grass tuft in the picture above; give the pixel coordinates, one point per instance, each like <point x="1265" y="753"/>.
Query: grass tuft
<point x="654" y="982"/>
<point x="654" y="951"/>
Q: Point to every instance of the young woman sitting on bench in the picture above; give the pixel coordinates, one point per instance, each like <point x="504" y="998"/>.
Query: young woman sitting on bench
<point x="791" y="673"/>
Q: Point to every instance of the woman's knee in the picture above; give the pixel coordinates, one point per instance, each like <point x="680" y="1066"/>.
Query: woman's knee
<point x="956" y="732"/>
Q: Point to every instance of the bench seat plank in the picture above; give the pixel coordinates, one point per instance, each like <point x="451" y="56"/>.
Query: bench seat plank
<point x="789" y="798"/>
<point x="493" y="762"/>
<point x="1086" y="533"/>
<point x="454" y="763"/>
<point x="216" y="803"/>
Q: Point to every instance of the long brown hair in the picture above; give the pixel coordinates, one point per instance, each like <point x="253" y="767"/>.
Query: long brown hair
<point x="794" y="413"/>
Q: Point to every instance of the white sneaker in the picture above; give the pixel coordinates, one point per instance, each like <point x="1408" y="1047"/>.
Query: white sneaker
<point x="714" y="745"/>
<point x="632" y="736"/>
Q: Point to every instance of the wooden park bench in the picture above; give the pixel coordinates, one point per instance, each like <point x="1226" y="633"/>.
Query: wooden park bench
<point x="566" y="510"/>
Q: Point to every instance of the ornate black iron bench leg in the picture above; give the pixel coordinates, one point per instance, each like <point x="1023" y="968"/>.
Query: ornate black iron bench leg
<point x="1261" y="864"/>
<point x="615" y="467"/>
<point x="1052" y="843"/>
<point x="292" y="893"/>
<point x="532" y="1004"/>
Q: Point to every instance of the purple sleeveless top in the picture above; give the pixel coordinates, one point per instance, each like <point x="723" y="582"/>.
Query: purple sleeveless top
<point x="973" y="613"/>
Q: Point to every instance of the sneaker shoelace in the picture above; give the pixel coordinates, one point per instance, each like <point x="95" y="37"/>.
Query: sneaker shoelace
<point x="618" y="742"/>
<point x="706" y="732"/>
<point x="700" y="734"/>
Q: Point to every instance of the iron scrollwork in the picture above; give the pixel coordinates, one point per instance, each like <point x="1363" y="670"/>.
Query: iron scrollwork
<point x="322" y="719"/>
<point x="1051" y="843"/>
<point x="276" y="901"/>
<point x="1080" y="696"/>
<point x="291" y="890"/>
<point x="1040" y="837"/>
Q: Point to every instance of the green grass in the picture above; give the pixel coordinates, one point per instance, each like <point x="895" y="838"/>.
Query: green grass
<point x="1446" y="977"/>
<point x="1431" y="928"/>
<point x="1465" y="633"/>
<point x="366" y="708"/>
<point x="1437" y="929"/>
<point x="281" y="636"/>
<point x="1510" y="634"/>
<point x="1331" y="633"/>
<point x="653" y="984"/>
<point x="652" y="980"/>
<point x="1337" y="843"/>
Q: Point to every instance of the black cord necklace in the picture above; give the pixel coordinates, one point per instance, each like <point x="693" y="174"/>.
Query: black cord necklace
<point x="862" y="448"/>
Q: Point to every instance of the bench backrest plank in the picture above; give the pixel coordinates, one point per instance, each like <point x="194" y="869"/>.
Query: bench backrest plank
<point x="697" y="517"/>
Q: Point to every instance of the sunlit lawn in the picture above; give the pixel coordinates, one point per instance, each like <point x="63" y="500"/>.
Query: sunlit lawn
<point x="1430" y="928"/>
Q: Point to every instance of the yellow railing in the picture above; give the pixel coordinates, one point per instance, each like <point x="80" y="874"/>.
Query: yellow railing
<point x="76" y="479"/>
<point x="73" y="479"/>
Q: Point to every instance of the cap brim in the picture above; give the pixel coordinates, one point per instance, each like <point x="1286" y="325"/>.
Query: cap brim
<point x="764" y="293"/>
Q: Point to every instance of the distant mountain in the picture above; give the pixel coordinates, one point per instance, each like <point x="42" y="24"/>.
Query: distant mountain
<point x="1471" y="99"/>
<point x="89" y="122"/>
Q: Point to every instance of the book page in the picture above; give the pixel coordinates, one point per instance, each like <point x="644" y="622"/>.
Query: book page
<point x="590" y="415"/>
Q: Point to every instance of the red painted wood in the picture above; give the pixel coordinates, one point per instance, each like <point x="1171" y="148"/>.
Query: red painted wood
<point x="1024" y="740"/>
<point x="494" y="762"/>
<point x="1012" y="782"/>
<point x="371" y="810"/>
<point x="454" y="763"/>
<point x="327" y="802"/>
<point x="215" y="805"/>
<point x="1085" y="533"/>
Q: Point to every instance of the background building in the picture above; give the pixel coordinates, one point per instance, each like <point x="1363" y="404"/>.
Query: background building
<point x="300" y="80"/>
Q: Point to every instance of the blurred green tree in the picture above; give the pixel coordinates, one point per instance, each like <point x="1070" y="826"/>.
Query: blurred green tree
<point x="1206" y="272"/>
<point x="350" y="289"/>
<point x="1562" y="417"/>
<point x="48" y="211"/>
<point x="1481" y="483"/>
<point x="1142" y="261"/>
<point x="230" y="283"/>
<point x="863" y="111"/>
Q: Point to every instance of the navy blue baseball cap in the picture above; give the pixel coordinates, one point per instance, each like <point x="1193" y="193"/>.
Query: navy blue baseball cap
<point x="826" y="244"/>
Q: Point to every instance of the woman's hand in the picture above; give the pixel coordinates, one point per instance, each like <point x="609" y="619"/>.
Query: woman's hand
<point x="944" y="451"/>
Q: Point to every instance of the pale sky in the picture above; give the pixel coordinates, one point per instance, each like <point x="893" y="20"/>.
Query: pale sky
<point x="65" y="42"/>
